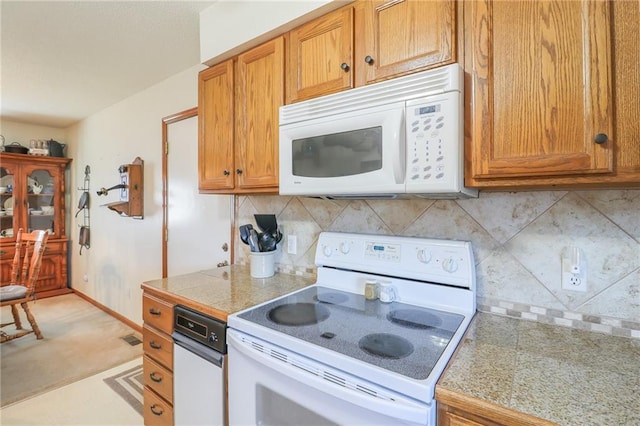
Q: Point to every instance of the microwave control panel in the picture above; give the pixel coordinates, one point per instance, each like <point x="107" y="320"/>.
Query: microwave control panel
<point x="434" y="143"/>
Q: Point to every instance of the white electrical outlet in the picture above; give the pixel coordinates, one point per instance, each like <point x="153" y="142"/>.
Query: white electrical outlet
<point x="574" y="271"/>
<point x="292" y="244"/>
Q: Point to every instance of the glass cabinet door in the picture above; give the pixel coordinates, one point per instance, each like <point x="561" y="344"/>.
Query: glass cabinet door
<point x="6" y="203"/>
<point x="41" y="199"/>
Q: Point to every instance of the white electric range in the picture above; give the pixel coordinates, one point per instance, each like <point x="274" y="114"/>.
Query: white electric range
<point x="327" y="354"/>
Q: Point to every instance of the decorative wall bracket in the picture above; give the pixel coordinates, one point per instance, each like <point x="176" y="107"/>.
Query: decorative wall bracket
<point x="131" y="188"/>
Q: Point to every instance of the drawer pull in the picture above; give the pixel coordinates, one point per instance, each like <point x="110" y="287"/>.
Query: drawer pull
<point x="154" y="345"/>
<point x="154" y="312"/>
<point x="155" y="378"/>
<point x="157" y="413"/>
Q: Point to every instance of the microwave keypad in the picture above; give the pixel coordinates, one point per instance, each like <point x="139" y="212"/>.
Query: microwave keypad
<point x="425" y="145"/>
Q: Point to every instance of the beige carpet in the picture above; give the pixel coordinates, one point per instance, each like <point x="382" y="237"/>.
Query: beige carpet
<point x="79" y="340"/>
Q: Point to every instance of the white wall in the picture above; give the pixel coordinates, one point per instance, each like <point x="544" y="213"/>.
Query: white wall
<point x="230" y="27"/>
<point x="124" y="251"/>
<point x="23" y="133"/>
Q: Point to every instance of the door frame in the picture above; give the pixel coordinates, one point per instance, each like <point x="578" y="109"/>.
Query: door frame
<point x="170" y="119"/>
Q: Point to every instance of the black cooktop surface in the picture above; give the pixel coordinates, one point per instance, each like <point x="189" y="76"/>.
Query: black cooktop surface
<point x="399" y="337"/>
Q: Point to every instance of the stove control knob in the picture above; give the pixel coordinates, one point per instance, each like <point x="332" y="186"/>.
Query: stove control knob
<point x="449" y="265"/>
<point x="424" y="256"/>
<point x="344" y="247"/>
<point x="326" y="250"/>
<point x="213" y="338"/>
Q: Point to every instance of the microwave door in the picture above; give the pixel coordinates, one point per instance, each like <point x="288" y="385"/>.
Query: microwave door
<point x="356" y="153"/>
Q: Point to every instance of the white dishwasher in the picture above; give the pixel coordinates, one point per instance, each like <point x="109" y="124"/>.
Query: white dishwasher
<point x="199" y="363"/>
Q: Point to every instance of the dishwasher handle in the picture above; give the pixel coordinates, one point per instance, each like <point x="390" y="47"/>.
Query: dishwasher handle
<point x="197" y="348"/>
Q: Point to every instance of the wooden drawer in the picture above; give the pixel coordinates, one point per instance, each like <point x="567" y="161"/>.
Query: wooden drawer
<point x="157" y="412"/>
<point x="158" y="346"/>
<point x="158" y="378"/>
<point x="157" y="313"/>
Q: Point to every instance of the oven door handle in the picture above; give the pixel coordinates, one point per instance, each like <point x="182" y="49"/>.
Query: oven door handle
<point x="401" y="408"/>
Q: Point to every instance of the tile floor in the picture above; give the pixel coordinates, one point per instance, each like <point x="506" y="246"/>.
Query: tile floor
<point x="86" y="402"/>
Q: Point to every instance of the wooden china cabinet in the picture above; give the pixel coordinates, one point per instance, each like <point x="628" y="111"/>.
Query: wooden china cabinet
<point x="32" y="198"/>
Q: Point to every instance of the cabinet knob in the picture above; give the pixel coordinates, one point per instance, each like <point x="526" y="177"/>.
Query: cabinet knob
<point x="368" y="60"/>
<point x="601" y="138"/>
<point x="344" y="66"/>
<point x="226" y="172"/>
<point x="239" y="171"/>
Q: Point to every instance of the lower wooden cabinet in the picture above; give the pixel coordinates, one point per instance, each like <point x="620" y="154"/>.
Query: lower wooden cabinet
<point x="52" y="280"/>
<point x="157" y="360"/>
<point x="157" y="411"/>
<point x="456" y="409"/>
<point x="158" y="379"/>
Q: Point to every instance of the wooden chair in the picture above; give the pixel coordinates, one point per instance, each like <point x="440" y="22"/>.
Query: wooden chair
<point x="21" y="288"/>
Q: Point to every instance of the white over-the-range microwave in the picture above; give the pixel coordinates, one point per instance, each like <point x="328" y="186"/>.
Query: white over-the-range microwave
<point x="394" y="139"/>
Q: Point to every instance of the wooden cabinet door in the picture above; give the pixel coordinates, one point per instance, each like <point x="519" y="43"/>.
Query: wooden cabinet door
<point x="395" y="37"/>
<point x="321" y="56"/>
<point x="259" y="94"/>
<point x="215" y="127"/>
<point x="540" y="89"/>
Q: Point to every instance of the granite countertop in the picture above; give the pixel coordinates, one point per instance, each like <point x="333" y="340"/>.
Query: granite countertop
<point x="562" y="375"/>
<point x="223" y="291"/>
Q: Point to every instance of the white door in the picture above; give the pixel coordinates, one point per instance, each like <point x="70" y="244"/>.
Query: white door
<point x="198" y="224"/>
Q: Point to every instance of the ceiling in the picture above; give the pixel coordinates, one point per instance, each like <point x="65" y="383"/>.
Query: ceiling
<point x="62" y="61"/>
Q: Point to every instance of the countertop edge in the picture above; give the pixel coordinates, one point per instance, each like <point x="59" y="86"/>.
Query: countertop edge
<point x="485" y="409"/>
<point x="183" y="301"/>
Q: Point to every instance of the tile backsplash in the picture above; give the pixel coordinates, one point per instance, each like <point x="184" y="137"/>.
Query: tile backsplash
<point x="518" y="240"/>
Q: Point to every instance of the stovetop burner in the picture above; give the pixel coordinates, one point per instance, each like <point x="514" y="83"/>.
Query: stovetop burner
<point x="406" y="339"/>
<point x="298" y="314"/>
<point x="385" y="345"/>
<point x="414" y="318"/>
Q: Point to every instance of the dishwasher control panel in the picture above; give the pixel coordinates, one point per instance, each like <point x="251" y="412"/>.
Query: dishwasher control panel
<point x="202" y="328"/>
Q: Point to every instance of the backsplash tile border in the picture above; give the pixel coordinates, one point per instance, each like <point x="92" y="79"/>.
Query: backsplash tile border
<point x="598" y="324"/>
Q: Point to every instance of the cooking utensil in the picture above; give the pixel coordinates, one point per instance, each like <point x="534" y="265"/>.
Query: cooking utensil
<point x="267" y="242"/>
<point x="84" y="238"/>
<point x="16" y="148"/>
<point x="83" y="203"/>
<point x="244" y="232"/>
<point x="266" y="222"/>
<point x="253" y="240"/>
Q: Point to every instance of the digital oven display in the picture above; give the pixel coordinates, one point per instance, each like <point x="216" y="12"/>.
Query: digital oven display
<point x="430" y="109"/>
<point x="383" y="251"/>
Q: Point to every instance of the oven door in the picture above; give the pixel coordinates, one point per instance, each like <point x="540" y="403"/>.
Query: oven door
<point x="272" y="386"/>
<point x="359" y="152"/>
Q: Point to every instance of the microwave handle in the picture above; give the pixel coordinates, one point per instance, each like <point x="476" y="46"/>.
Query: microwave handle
<point x="399" y="155"/>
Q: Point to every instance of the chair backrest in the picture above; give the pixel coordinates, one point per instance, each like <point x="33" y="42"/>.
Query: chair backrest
<point x="28" y="257"/>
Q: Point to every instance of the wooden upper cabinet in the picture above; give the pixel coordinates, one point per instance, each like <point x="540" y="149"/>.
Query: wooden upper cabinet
<point x="396" y="37"/>
<point x="321" y="56"/>
<point x="540" y="102"/>
<point x="215" y="127"/>
<point x="238" y="121"/>
<point x="259" y="94"/>
<point x="369" y="41"/>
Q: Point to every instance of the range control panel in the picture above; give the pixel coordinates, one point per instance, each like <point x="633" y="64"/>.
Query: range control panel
<point x="442" y="261"/>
